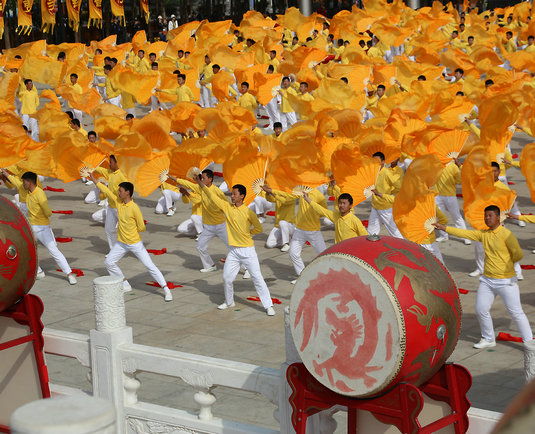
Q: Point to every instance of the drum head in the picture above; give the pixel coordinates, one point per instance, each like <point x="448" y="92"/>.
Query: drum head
<point x="347" y="325"/>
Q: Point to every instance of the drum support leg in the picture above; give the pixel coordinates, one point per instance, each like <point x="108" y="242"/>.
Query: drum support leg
<point x="400" y="406"/>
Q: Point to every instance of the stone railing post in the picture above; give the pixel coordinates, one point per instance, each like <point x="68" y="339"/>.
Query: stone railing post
<point x="111" y="332"/>
<point x="79" y="414"/>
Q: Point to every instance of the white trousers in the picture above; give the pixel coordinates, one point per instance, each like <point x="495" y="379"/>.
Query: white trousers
<point x="261" y="205"/>
<point x="21" y="205"/>
<point x="508" y="290"/>
<point x="167" y="201"/>
<point x="139" y="250"/>
<point x="116" y="100"/>
<point x="44" y="234"/>
<point x="280" y="236"/>
<point x="384" y="216"/>
<point x="32" y="125"/>
<point x="191" y="226"/>
<point x="450" y="204"/>
<point x="110" y="225"/>
<point x="206" y="97"/>
<point x="244" y="257"/>
<point x="93" y="196"/>
<point x="209" y="232"/>
<point x="287" y="120"/>
<point x="299" y="238"/>
<point x="99" y="216"/>
<point x="434" y="249"/>
<point x="272" y="110"/>
<point x="77" y="115"/>
<point x="154" y="103"/>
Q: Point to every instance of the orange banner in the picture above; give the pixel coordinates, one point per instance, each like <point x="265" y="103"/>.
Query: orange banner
<point x="73" y="11"/>
<point x="117" y="10"/>
<point x="48" y="15"/>
<point x="95" y="13"/>
<point x="144" y="5"/>
<point x="24" y="8"/>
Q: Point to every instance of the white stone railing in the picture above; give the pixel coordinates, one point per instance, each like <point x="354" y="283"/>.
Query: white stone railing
<point x="114" y="361"/>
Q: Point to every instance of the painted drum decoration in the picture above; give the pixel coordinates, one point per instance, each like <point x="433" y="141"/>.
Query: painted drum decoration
<point x="18" y="255"/>
<point x="371" y="312"/>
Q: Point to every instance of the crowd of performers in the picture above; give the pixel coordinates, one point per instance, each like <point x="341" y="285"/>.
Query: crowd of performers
<point x="307" y="98"/>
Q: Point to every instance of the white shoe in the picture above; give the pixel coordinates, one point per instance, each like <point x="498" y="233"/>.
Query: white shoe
<point x="89" y="182"/>
<point x="533" y="251"/>
<point x="270" y="311"/>
<point x="102" y="203"/>
<point x="226" y="306"/>
<point x="126" y="286"/>
<point x="72" y="279"/>
<point x="285" y="248"/>
<point x="261" y="219"/>
<point x="208" y="270"/>
<point x="293" y="281"/>
<point x="171" y="212"/>
<point x="474" y="273"/>
<point x="483" y="343"/>
<point x="40" y="275"/>
<point x="521" y="223"/>
<point x="246" y="275"/>
<point x="168" y="296"/>
<point x="197" y="237"/>
<point x="520" y="277"/>
<point x="441" y="239"/>
<point x="467" y="242"/>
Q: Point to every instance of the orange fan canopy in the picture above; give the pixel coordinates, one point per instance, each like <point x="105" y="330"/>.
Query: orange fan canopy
<point x="147" y="177"/>
<point x="132" y="144"/>
<point x="355" y="174"/>
<point x="156" y="128"/>
<point x="39" y="160"/>
<point x="476" y="176"/>
<point x="447" y="144"/>
<point x="475" y="211"/>
<point x="527" y="166"/>
<point x="182" y="116"/>
<point x="68" y="151"/>
<point x="191" y="153"/>
<point x="416" y="224"/>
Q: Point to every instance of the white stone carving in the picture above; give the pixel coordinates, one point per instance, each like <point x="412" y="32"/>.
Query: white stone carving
<point x="197" y="378"/>
<point x="206" y="400"/>
<point x="142" y="426"/>
<point x="109" y="303"/>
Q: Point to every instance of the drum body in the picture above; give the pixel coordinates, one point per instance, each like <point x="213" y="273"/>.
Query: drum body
<point x="18" y="255"/>
<point x="367" y="314"/>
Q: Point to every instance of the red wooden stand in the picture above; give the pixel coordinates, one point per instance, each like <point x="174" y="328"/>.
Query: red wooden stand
<point x="400" y="406"/>
<point x="28" y="312"/>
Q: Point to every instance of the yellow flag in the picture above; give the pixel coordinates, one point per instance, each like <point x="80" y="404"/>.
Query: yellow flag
<point x="73" y="11"/>
<point x="48" y="15"/>
<point x="95" y="14"/>
<point x="117" y="10"/>
<point x="144" y="5"/>
<point x="24" y="8"/>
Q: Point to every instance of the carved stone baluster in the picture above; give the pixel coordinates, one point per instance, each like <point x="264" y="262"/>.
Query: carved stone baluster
<point x="206" y="399"/>
<point x="131" y="383"/>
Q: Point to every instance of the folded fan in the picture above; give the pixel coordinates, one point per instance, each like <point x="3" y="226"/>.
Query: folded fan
<point x="299" y="190"/>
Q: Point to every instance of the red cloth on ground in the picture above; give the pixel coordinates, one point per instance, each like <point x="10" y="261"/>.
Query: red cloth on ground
<point x="331" y="198"/>
<point x="527" y="267"/>
<point x="76" y="271"/>
<point x="463" y="291"/>
<point x="170" y="285"/>
<point x="220" y="174"/>
<point x="48" y="188"/>
<point x="508" y="337"/>
<point x="62" y="212"/>
<point x="365" y="223"/>
<point x="63" y="239"/>
<point x="157" y="252"/>
<point x="510" y="183"/>
<point x="514" y="156"/>
<point x="459" y="195"/>
<point x="271" y="213"/>
<point x="274" y="300"/>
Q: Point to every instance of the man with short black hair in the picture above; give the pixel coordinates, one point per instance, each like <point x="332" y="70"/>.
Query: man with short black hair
<point x="501" y="252"/>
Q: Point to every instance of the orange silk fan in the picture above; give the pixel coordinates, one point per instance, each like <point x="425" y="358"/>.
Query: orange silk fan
<point x="475" y="211"/>
<point x="527" y="166"/>
<point x="183" y="160"/>
<point x="68" y="151"/>
<point x="238" y="171"/>
<point x="148" y="176"/>
<point x="355" y="174"/>
<point x="416" y="224"/>
<point x="448" y="144"/>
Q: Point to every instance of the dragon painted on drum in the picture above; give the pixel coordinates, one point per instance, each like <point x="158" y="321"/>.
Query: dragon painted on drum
<point x="345" y="329"/>
<point x="423" y="273"/>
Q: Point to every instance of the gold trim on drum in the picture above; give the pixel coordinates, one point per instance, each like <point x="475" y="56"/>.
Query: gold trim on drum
<point x="302" y="335"/>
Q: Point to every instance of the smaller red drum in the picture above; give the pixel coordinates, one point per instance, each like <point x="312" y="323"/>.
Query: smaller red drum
<point x="18" y="255"/>
<point x="371" y="312"/>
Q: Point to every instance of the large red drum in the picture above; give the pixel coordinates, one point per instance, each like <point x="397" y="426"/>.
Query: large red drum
<point x="371" y="312"/>
<point x="18" y="255"/>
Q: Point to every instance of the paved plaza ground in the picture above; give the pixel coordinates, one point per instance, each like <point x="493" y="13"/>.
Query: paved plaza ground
<point x="192" y="323"/>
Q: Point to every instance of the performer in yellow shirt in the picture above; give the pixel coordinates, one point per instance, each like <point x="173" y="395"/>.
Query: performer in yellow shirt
<point x="446" y="198"/>
<point x="182" y="92"/>
<point x="387" y="185"/>
<point x="166" y="204"/>
<point x="142" y="65"/>
<point x="246" y="100"/>
<point x="205" y="77"/>
<point x="346" y="224"/>
<point x="284" y="227"/>
<point x="273" y="60"/>
<point x="239" y="219"/>
<point x="130" y="224"/>
<point x="307" y="227"/>
<point x="77" y="90"/>
<point x="29" y="98"/>
<point x="38" y="216"/>
<point x="213" y="220"/>
<point x="287" y="112"/>
<point x="114" y="177"/>
<point x="501" y="252"/>
<point x="113" y="95"/>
